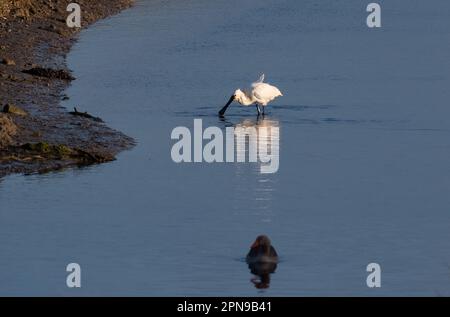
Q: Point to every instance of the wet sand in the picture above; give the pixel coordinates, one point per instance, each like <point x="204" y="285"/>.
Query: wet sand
<point x="36" y="133"/>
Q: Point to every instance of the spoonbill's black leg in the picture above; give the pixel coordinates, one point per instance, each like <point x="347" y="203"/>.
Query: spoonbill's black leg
<point x="264" y="111"/>
<point x="257" y="108"/>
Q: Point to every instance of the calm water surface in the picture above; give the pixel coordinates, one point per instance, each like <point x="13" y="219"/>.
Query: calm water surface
<point x="364" y="155"/>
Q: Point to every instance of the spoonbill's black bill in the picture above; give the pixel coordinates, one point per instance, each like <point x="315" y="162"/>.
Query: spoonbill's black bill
<point x="222" y="111"/>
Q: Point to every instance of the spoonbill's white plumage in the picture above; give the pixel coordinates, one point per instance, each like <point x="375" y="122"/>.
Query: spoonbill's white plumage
<point x="260" y="94"/>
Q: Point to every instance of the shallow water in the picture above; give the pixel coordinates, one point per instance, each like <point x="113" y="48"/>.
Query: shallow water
<point x="364" y="148"/>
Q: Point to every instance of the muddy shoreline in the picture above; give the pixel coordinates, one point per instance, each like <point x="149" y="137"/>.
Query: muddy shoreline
<point x="36" y="133"/>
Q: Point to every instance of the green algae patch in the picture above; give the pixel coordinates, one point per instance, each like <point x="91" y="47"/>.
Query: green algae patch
<point x="43" y="157"/>
<point x="44" y="148"/>
<point x="62" y="150"/>
<point x="41" y="147"/>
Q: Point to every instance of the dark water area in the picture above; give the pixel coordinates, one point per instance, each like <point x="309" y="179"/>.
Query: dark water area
<point x="363" y="155"/>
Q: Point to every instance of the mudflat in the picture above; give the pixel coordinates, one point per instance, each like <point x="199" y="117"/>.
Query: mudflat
<point x="36" y="133"/>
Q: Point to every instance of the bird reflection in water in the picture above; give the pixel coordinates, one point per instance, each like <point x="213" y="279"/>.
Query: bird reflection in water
<point x="259" y="140"/>
<point x="262" y="261"/>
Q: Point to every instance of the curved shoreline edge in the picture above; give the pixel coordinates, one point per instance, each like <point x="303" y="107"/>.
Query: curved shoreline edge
<point x="37" y="135"/>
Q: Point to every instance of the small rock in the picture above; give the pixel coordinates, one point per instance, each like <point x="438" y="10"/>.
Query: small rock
<point x="86" y="115"/>
<point x="7" y="130"/>
<point x="8" y="61"/>
<point x="13" y="109"/>
<point x="36" y="134"/>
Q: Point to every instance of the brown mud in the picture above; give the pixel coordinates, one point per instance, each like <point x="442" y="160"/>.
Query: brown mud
<point x="36" y="133"/>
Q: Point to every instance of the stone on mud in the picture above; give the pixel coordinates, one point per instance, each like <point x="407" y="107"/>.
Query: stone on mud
<point x="7" y="130"/>
<point x="13" y="109"/>
<point x="8" y="61"/>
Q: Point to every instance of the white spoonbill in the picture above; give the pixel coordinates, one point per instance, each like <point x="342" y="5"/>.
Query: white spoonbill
<point x="260" y="94"/>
